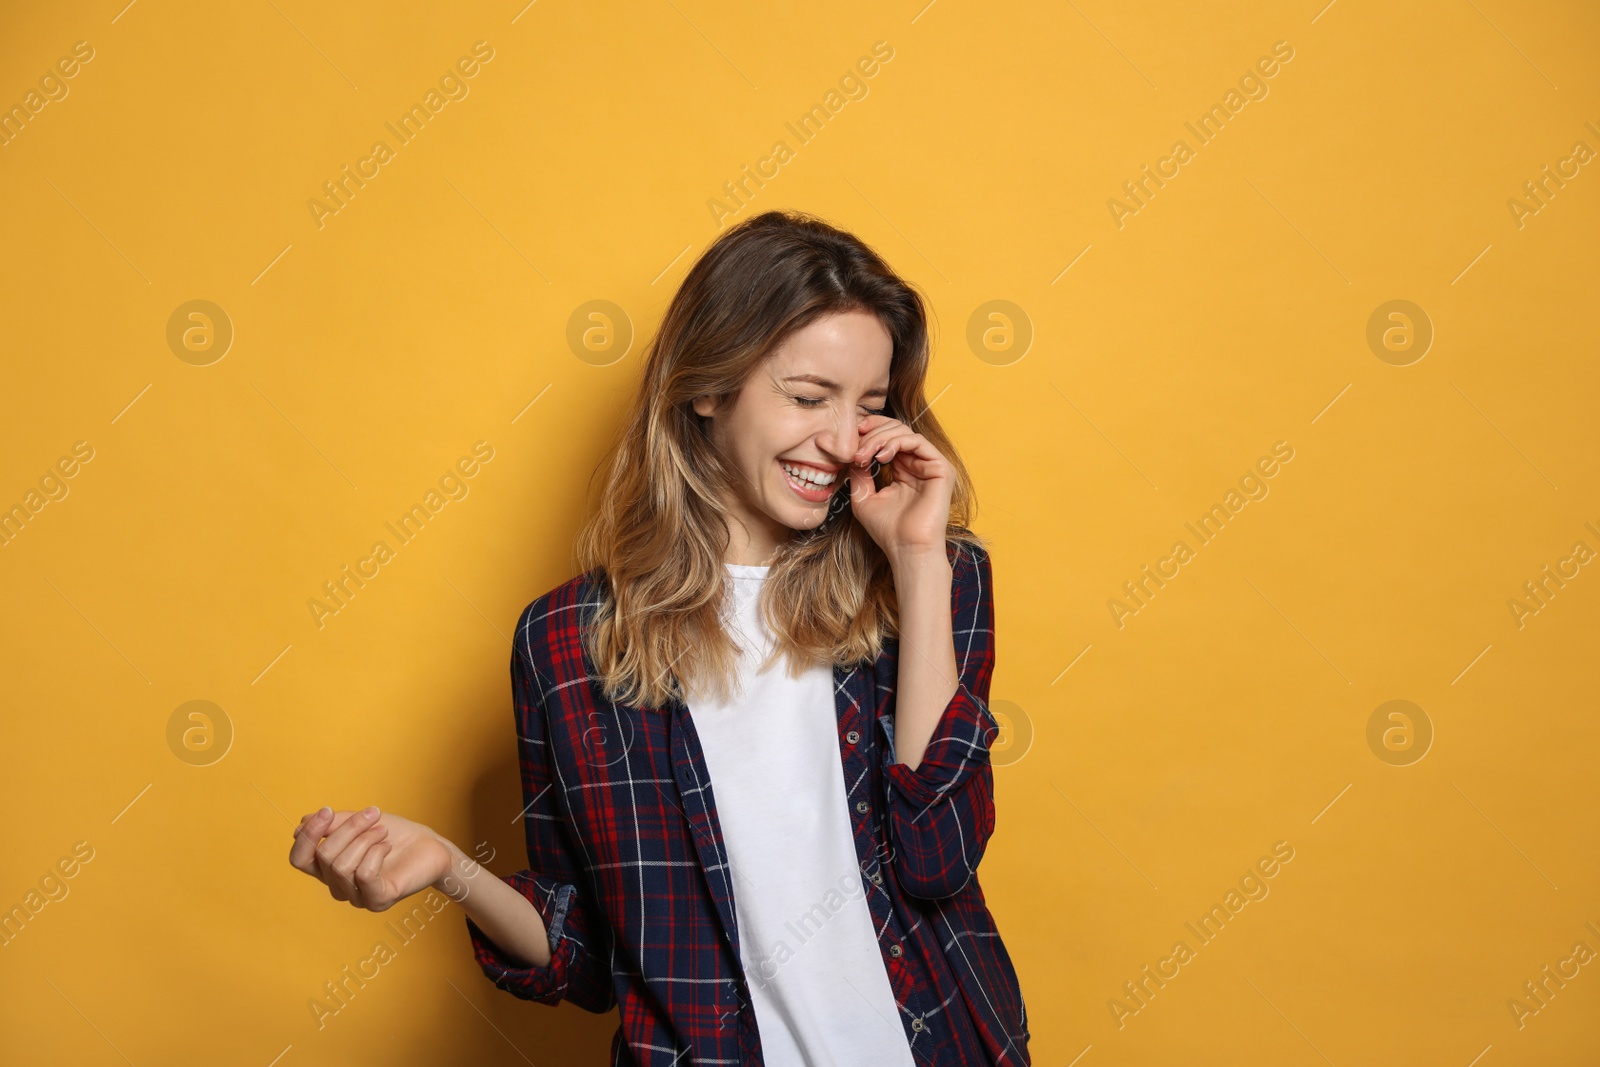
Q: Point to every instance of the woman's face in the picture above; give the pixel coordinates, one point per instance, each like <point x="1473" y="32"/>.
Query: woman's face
<point x="800" y="410"/>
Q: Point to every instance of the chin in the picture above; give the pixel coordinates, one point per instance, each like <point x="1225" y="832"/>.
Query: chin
<point x="795" y="516"/>
<point x="811" y="522"/>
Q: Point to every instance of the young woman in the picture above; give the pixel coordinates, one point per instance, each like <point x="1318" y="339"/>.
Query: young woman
<point x="754" y="733"/>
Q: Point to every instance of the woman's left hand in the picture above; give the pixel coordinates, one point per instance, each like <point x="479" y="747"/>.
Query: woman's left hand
<point x="909" y="515"/>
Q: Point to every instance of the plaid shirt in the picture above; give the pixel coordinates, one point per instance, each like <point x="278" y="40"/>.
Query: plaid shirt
<point x="629" y="871"/>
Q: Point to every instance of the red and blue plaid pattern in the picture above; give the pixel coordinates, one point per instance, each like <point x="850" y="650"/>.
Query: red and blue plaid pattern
<point x="628" y="869"/>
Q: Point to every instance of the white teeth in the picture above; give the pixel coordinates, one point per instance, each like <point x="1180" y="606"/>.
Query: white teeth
<point x="806" y="474"/>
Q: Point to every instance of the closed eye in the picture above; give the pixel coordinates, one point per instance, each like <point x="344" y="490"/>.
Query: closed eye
<point x="813" y="401"/>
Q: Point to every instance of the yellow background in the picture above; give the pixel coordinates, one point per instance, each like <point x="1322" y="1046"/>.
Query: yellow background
<point x="1167" y="755"/>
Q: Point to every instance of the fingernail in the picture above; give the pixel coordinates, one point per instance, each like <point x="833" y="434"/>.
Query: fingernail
<point x="324" y="810"/>
<point x="373" y="811"/>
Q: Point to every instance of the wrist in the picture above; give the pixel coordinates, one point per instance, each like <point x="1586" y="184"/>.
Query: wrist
<point x="913" y="561"/>
<point x="461" y="866"/>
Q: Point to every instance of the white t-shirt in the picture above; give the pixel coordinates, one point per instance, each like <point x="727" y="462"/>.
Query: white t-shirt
<point x="812" y="961"/>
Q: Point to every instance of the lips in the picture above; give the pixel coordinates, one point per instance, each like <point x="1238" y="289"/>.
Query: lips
<point x="808" y="491"/>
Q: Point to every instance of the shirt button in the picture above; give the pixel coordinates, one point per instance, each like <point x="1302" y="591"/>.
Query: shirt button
<point x="876" y="877"/>
<point x="895" y="951"/>
<point x="918" y="1025"/>
<point x="863" y="807"/>
<point x="852" y="737"/>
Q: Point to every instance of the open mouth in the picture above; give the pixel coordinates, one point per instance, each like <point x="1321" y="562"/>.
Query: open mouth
<point x="808" y="483"/>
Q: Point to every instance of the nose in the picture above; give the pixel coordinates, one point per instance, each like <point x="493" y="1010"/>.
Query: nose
<point x="842" y="437"/>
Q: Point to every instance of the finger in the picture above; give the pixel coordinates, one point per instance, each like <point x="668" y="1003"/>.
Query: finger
<point x="330" y="821"/>
<point x="906" y="442"/>
<point x="912" y="469"/>
<point x="341" y="867"/>
<point x="870" y="451"/>
<point x="890" y="445"/>
<point x="885" y="434"/>
<point x="312" y="827"/>
<point x="340" y="837"/>
<point x="869" y="423"/>
<point x="369" y="880"/>
<point x="861" y="486"/>
<point x="349" y="858"/>
<point x="872" y="440"/>
<point x="344" y="832"/>
<point x="327" y="824"/>
<point x="911" y="445"/>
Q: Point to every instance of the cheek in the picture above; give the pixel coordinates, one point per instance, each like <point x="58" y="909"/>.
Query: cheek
<point x="755" y="448"/>
<point x="775" y="434"/>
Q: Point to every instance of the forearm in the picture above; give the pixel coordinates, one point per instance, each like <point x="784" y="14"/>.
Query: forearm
<point x="504" y="915"/>
<point x="927" y="677"/>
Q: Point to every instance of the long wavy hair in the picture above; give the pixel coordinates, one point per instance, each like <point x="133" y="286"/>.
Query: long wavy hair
<point x="655" y="544"/>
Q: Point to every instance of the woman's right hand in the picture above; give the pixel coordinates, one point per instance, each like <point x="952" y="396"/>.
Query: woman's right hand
<point x="370" y="858"/>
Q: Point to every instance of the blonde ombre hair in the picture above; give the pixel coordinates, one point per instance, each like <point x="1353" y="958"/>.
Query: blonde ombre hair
<point x="658" y="538"/>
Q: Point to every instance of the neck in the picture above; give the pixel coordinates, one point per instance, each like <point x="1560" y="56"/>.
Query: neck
<point x="751" y="545"/>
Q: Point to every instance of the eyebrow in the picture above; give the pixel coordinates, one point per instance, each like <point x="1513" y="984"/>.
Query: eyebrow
<point x="817" y="379"/>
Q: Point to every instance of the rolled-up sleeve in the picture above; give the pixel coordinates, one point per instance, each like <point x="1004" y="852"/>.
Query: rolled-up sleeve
<point x="556" y="882"/>
<point x="941" y="814"/>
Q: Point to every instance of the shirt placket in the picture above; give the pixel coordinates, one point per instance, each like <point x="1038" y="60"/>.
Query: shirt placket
<point x="860" y="756"/>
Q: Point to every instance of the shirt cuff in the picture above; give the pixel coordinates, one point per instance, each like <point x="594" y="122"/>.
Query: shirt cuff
<point x="958" y="747"/>
<point x="547" y="984"/>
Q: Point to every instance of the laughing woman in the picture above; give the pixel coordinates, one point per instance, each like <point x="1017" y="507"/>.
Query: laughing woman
<point x="754" y="733"/>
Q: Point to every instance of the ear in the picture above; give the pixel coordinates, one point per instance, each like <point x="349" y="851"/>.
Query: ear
<point x="705" y="405"/>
